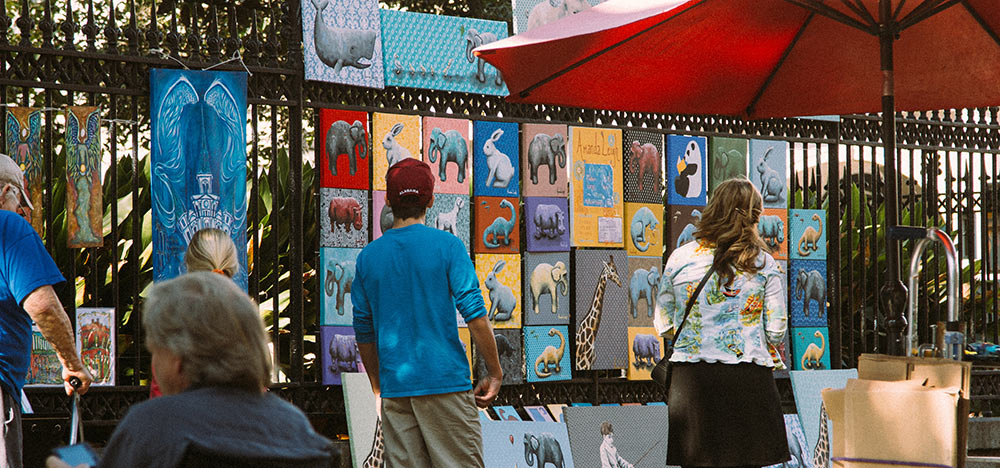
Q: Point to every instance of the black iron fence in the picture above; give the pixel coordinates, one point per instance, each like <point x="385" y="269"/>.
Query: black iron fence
<point x="99" y="52"/>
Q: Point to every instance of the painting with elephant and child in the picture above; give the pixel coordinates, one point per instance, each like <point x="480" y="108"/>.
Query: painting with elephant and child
<point x="435" y="52"/>
<point x="687" y="170"/>
<point x="364" y="425"/>
<point x="768" y="171"/>
<point x="343" y="217"/>
<point x="773" y="229"/>
<point x="497" y="225"/>
<point x="509" y="344"/>
<point x="601" y="293"/>
<point x="596" y="205"/>
<point x="546" y="353"/>
<point x="544" y="170"/>
<point x="448" y="151"/>
<point x="810" y="348"/>
<point x="727" y="159"/>
<point x="526" y="443"/>
<point x="546" y="288"/>
<point x="336" y="276"/>
<point x="345" y="149"/>
<point x="807" y="293"/>
<point x="680" y="225"/>
<point x="546" y="224"/>
<point x="500" y="283"/>
<point x="645" y="348"/>
<point x="638" y="434"/>
<point x="644" y="229"/>
<point x="342" y="42"/>
<point x="643" y="282"/>
<point x="496" y="165"/>
<point x="394" y="137"/>
<point x="643" y="158"/>
<point x="807" y="240"/>
<point x="339" y="351"/>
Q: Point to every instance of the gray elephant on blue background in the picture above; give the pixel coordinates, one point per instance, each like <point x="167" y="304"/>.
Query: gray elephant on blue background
<point x="544" y="448"/>
<point x="343" y="354"/>
<point x="642" y="220"/>
<point x="340" y="47"/>
<point x="644" y="283"/>
<point x="475" y="39"/>
<point x="646" y="349"/>
<point x="810" y="286"/>
<point x="771" y="229"/>
<point x="546" y="150"/>
<point x="347" y="140"/>
<point x="339" y="278"/>
<point x="451" y="146"/>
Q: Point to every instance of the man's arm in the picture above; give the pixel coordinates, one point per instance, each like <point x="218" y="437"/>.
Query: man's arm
<point x="482" y="335"/>
<point x="369" y="357"/>
<point x="44" y="308"/>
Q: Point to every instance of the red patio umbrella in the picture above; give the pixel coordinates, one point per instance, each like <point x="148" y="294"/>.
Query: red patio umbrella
<point x="766" y="58"/>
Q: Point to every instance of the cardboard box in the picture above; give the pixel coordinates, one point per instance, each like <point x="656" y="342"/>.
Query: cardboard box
<point x="901" y="410"/>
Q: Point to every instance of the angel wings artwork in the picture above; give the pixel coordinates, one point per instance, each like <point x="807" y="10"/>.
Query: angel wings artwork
<point x="23" y="142"/>
<point x="84" y="196"/>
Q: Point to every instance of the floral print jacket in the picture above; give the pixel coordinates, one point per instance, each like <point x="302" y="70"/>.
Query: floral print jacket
<point x="743" y="323"/>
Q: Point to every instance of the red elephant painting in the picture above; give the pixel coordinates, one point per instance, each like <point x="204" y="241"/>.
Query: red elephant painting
<point x="345" y="211"/>
<point x="645" y="160"/>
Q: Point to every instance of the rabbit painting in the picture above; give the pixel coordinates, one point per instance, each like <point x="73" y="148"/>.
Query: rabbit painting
<point x="394" y="152"/>
<point x="772" y="182"/>
<point x="501" y="169"/>
<point x="502" y="300"/>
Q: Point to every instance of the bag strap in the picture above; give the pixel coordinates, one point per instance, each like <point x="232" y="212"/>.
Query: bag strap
<point x="690" y="303"/>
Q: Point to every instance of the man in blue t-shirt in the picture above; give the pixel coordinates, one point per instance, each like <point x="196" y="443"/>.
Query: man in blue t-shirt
<point x="27" y="274"/>
<point x="406" y="288"/>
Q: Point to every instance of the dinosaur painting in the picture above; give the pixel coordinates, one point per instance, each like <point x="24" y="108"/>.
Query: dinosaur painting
<point x="547" y="353"/>
<point x="806" y="235"/>
<point x="497" y="225"/>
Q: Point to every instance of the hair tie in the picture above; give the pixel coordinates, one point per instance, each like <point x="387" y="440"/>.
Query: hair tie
<point x="219" y="271"/>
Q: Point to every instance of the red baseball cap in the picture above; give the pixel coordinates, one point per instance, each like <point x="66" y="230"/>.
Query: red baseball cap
<point x="409" y="182"/>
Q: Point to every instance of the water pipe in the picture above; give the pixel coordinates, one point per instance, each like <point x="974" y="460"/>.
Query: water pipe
<point x="954" y="340"/>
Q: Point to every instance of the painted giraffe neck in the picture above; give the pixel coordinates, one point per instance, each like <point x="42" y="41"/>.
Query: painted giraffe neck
<point x="588" y="327"/>
<point x="375" y="458"/>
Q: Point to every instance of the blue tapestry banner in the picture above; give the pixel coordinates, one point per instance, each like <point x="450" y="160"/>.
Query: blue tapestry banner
<point x="435" y="52"/>
<point x="198" y="173"/>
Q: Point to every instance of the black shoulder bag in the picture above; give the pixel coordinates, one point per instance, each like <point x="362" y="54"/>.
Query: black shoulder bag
<point x="661" y="372"/>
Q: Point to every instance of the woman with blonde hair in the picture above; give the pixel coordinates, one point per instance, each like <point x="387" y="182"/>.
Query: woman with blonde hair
<point x="724" y="405"/>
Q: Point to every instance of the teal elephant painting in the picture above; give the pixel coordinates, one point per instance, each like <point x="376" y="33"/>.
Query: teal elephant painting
<point x="84" y="201"/>
<point x="336" y="276"/>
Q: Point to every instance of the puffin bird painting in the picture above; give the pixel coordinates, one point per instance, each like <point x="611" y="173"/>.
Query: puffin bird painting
<point x="688" y="181"/>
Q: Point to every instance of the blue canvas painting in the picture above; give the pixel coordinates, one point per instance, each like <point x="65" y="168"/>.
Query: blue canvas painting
<point x="496" y="170"/>
<point x="810" y="348"/>
<point x="342" y="42"/>
<point x="198" y="163"/>
<point x="336" y="274"/>
<point x="538" y="413"/>
<point x="507" y="413"/>
<point x="435" y="52"/>
<point x="547" y="354"/>
<point x="340" y="353"/>
<point x="769" y="171"/>
<point x="807" y="386"/>
<point x="807" y="293"/>
<point x="687" y="170"/>
<point x="526" y="443"/>
<point x="598" y="189"/>
<point x="805" y="232"/>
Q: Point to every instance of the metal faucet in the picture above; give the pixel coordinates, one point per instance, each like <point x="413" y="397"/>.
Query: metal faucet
<point x="954" y="340"/>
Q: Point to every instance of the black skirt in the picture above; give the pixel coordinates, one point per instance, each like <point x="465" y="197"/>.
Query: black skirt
<point x="724" y="415"/>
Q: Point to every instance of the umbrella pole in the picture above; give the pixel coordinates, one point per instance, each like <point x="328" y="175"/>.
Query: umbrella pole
<point x="893" y="293"/>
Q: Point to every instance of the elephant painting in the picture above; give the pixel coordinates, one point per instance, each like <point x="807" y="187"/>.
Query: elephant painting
<point x="349" y="140"/>
<point x="772" y="230"/>
<point x="644" y="283"/>
<point x="810" y="286"/>
<point x="550" y="221"/>
<point x="646" y="349"/>
<point x="451" y="146"/>
<point x="546" y="279"/>
<point x="343" y="354"/>
<point x="545" y="449"/>
<point x="545" y="150"/>
<point x="340" y="47"/>
<point x="339" y="278"/>
<point x="475" y="39"/>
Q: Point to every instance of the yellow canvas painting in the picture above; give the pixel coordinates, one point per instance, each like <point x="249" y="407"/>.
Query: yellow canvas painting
<point x="596" y="187"/>
<point x="500" y="283"/>
<point x="645" y="348"/>
<point x="394" y="137"/>
<point x="644" y="229"/>
<point x="466" y="337"/>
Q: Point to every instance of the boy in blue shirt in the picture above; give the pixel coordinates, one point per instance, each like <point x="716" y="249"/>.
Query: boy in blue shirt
<point x="406" y="288"/>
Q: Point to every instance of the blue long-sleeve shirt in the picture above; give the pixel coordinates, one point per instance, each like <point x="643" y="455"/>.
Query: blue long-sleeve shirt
<point x="407" y="286"/>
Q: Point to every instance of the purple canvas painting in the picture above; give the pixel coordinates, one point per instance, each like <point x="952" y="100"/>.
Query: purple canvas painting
<point x="340" y="353"/>
<point x="546" y="222"/>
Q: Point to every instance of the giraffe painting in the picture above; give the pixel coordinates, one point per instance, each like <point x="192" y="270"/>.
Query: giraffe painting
<point x="375" y="458"/>
<point x="587" y="329"/>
